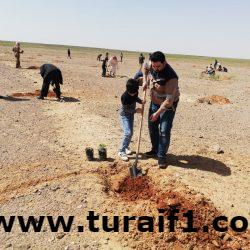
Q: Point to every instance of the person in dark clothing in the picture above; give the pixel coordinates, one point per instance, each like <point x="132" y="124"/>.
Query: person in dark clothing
<point x="164" y="100"/>
<point x="215" y="63"/>
<point x="141" y="59"/>
<point x="121" y="56"/>
<point x="51" y="75"/>
<point x="99" y="57"/>
<point x="107" y="56"/>
<point x="104" y="66"/>
<point x="69" y="54"/>
<point x="128" y="99"/>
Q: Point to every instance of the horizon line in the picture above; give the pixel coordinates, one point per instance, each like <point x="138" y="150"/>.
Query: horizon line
<point x="124" y="50"/>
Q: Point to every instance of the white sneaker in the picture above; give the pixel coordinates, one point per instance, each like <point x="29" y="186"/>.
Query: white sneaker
<point x="123" y="156"/>
<point x="128" y="151"/>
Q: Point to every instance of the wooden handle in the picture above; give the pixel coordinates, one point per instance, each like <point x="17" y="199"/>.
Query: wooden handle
<point x="139" y="138"/>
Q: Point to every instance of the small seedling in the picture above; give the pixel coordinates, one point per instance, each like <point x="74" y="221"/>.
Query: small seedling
<point x="102" y="152"/>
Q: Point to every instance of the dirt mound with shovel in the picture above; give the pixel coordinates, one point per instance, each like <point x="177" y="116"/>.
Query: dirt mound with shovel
<point x="141" y="197"/>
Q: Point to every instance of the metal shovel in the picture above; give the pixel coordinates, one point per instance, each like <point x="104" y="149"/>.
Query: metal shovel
<point x="134" y="171"/>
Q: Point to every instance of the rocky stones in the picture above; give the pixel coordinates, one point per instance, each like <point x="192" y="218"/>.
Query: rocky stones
<point x="60" y="235"/>
<point x="215" y="243"/>
<point x="236" y="245"/>
<point x="55" y="188"/>
<point x="226" y="237"/>
<point x="164" y="204"/>
<point x="8" y="245"/>
<point x="171" y="239"/>
<point x="218" y="149"/>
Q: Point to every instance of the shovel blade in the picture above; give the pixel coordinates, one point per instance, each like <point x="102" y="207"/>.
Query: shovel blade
<point x="134" y="172"/>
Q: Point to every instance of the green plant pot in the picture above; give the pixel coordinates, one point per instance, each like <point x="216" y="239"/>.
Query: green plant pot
<point x="102" y="154"/>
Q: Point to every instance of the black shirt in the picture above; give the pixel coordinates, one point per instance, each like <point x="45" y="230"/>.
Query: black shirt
<point x="128" y="99"/>
<point x="51" y="72"/>
<point x="167" y="73"/>
<point x="45" y="69"/>
<point x="104" y="62"/>
<point x="141" y="59"/>
<point x="129" y="103"/>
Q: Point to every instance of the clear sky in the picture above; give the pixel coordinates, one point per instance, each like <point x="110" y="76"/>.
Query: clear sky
<point x="211" y="27"/>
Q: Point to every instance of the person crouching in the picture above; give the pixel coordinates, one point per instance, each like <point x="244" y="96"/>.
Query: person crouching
<point x="128" y="109"/>
<point x="51" y="75"/>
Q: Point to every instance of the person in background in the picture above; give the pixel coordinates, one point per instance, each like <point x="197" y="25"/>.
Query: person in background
<point x="51" y="75"/>
<point x="219" y="68"/>
<point x="225" y="69"/>
<point x="99" y="57"/>
<point x="139" y="74"/>
<point x="218" y="65"/>
<point x="141" y="59"/>
<point x="215" y="63"/>
<point x="121" y="56"/>
<point x="17" y="51"/>
<point x="104" y="66"/>
<point x="210" y="70"/>
<point x="113" y="63"/>
<point x="69" y="54"/>
<point x="107" y="56"/>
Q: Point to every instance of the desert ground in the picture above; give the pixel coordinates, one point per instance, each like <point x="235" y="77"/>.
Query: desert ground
<point x="44" y="170"/>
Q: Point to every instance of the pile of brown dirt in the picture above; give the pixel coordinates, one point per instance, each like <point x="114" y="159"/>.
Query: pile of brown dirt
<point x="131" y="189"/>
<point x="203" y="212"/>
<point x="214" y="99"/>
<point x="33" y="67"/>
<point x="142" y="191"/>
<point x="168" y="201"/>
<point x="36" y="93"/>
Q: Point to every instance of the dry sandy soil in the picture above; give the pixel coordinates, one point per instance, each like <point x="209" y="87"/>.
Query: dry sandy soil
<point x="44" y="170"/>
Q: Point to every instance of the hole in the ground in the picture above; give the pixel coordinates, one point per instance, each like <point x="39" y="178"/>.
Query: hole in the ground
<point x="36" y="93"/>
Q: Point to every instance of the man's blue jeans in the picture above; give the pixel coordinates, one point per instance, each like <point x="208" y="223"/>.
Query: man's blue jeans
<point x="127" y="124"/>
<point x="160" y="130"/>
